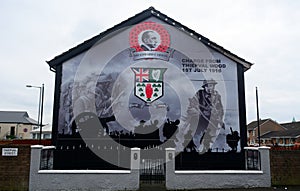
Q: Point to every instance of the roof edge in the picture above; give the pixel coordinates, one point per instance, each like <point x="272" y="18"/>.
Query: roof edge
<point x="151" y="11"/>
<point x="90" y="42"/>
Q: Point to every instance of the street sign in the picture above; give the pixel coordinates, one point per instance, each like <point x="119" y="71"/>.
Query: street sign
<point x="9" y="151"/>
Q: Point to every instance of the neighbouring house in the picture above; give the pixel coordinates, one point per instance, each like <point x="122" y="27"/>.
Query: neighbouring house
<point x="273" y="133"/>
<point x="16" y="124"/>
<point x="290" y="137"/>
<point x="295" y="125"/>
<point x="281" y="138"/>
<point x="266" y="126"/>
<point x="46" y="132"/>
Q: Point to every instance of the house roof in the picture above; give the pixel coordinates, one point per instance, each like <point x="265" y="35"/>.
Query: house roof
<point x="292" y="125"/>
<point x="253" y="124"/>
<point x="16" y="117"/>
<point x="150" y="12"/>
<point x="294" y="133"/>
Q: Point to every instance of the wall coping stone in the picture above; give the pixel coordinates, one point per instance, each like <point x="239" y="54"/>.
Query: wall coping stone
<point x="84" y="171"/>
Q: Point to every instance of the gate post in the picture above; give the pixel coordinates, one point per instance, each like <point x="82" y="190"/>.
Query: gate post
<point x="170" y="166"/>
<point x="265" y="164"/>
<point x="34" y="166"/>
<point x="135" y="158"/>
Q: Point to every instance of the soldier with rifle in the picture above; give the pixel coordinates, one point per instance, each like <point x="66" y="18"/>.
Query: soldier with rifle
<point x="208" y="106"/>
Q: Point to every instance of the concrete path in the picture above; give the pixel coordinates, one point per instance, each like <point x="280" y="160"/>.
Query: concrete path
<point x="160" y="187"/>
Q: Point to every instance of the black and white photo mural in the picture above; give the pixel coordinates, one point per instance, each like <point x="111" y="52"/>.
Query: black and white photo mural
<point x="152" y="85"/>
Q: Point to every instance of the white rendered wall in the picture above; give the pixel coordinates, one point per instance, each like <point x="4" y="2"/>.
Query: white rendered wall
<point x="179" y="180"/>
<point x="83" y="179"/>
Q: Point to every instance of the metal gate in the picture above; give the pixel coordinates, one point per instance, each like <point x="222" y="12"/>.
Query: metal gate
<point x="152" y="171"/>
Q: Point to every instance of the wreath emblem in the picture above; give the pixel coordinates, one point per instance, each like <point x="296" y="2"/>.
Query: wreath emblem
<point x="149" y="36"/>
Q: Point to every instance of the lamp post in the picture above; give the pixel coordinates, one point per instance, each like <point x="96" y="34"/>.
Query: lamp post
<point x="41" y="106"/>
<point x="257" y="114"/>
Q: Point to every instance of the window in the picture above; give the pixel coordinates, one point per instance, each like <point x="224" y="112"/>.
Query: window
<point x="12" y="130"/>
<point x="47" y="136"/>
<point x="292" y="141"/>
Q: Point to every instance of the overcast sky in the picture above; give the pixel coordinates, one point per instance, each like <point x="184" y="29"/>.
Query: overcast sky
<point x="264" y="32"/>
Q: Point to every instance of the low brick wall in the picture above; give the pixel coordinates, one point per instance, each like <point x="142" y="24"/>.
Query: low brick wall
<point x="14" y="170"/>
<point x="285" y="167"/>
<point x="45" y="142"/>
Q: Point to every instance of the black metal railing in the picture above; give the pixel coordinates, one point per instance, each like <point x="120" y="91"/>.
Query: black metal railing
<point x="47" y="159"/>
<point x="152" y="171"/>
<point x="252" y="159"/>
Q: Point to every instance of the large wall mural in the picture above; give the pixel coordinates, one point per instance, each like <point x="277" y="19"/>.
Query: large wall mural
<point x="151" y="85"/>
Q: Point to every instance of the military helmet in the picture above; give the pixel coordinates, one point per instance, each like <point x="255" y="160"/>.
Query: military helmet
<point x="211" y="81"/>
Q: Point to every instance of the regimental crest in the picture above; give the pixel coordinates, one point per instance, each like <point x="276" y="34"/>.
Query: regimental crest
<point x="149" y="83"/>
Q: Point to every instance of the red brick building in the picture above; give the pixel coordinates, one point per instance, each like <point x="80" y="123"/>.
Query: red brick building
<point x="273" y="133"/>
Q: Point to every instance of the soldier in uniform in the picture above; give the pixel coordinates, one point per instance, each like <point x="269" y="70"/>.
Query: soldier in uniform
<point x="208" y="105"/>
<point x="103" y="100"/>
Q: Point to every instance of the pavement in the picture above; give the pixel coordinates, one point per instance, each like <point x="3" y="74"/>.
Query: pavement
<point x="274" y="188"/>
<point x="281" y="188"/>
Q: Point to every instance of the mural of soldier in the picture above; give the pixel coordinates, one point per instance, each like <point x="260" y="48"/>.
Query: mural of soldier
<point x="103" y="100"/>
<point x="66" y="100"/>
<point x="208" y="105"/>
<point x="103" y="95"/>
